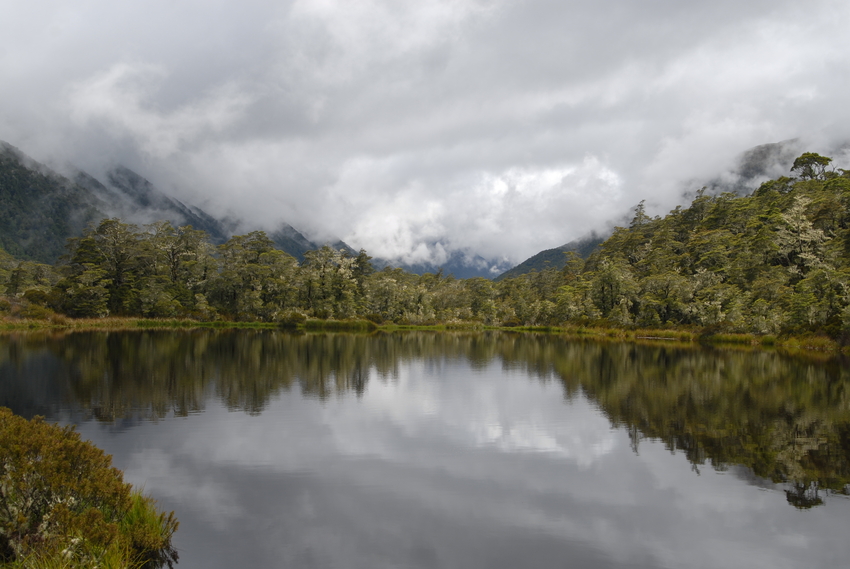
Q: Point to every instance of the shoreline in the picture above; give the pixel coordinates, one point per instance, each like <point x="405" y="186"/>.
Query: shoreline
<point x="684" y="337"/>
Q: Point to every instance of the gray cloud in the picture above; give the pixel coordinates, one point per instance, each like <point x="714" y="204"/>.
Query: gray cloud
<point x="415" y="128"/>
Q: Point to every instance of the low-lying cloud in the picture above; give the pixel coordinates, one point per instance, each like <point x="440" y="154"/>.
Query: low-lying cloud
<point x="416" y="129"/>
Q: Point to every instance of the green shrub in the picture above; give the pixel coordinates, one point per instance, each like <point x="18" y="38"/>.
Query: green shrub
<point x="62" y="499"/>
<point x="35" y="312"/>
<point x="292" y="320"/>
<point x="340" y="325"/>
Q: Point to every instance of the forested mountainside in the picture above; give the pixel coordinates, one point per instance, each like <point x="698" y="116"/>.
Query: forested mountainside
<point x="131" y="197"/>
<point x="778" y="260"/>
<point x="554" y="258"/>
<point x="752" y="166"/>
<point x="41" y="209"/>
<point x="774" y="262"/>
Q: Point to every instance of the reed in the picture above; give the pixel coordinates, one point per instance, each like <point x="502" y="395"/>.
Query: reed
<point x="340" y="325"/>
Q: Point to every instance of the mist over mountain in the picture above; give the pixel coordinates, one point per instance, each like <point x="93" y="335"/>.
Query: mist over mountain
<point x="44" y="208"/>
<point x="462" y="264"/>
<point x="60" y="207"/>
<point x="746" y="173"/>
<point x="41" y="209"/>
<point x="415" y="130"/>
<point x="132" y="198"/>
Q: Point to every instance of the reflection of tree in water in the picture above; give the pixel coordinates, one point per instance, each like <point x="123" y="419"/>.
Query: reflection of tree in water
<point x="115" y="374"/>
<point x="787" y="419"/>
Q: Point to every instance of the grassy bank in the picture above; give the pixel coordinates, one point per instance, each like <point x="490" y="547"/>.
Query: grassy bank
<point x="809" y="342"/>
<point x="64" y="505"/>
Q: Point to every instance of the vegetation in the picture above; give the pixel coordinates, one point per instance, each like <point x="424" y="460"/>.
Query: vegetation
<point x="554" y="258"/>
<point x="38" y="208"/>
<point x="62" y="504"/>
<point x="775" y="263"/>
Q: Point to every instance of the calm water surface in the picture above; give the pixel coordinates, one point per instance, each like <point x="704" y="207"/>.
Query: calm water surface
<point x="458" y="450"/>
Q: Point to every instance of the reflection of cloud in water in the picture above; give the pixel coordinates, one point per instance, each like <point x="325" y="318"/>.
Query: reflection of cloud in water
<point x="413" y="419"/>
<point x="155" y="471"/>
<point x="464" y="462"/>
<point x="512" y="415"/>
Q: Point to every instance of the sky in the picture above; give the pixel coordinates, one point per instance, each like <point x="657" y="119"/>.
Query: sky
<point x="413" y="129"/>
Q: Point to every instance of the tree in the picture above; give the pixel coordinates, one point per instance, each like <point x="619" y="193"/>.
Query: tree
<point x="613" y="290"/>
<point x="250" y="277"/>
<point x="640" y="217"/>
<point x="330" y="286"/>
<point x="811" y="166"/>
<point x="798" y="240"/>
<point x="119" y="243"/>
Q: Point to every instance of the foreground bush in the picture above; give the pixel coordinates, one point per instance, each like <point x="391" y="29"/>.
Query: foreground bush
<point x="63" y="504"/>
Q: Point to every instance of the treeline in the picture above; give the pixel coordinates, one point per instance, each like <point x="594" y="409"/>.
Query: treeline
<point x="774" y="262"/>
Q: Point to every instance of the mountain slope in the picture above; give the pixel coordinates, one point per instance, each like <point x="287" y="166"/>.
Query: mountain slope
<point x="554" y="258"/>
<point x="39" y="209"/>
<point x="134" y="199"/>
<point x="460" y="264"/>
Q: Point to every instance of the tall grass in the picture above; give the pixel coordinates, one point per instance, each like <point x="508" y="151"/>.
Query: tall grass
<point x="313" y="324"/>
<point x="149" y="531"/>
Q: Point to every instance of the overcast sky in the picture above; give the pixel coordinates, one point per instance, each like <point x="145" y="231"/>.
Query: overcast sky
<point x="502" y="127"/>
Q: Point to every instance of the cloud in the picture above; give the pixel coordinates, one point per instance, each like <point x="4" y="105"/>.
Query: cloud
<point x="116" y="101"/>
<point x="416" y="129"/>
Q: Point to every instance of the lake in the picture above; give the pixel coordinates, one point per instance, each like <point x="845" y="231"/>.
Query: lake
<point x="458" y="450"/>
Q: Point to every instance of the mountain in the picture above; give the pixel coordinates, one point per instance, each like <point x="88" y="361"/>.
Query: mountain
<point x="134" y="199"/>
<point x="290" y="240"/>
<point x="460" y="264"/>
<point x="753" y="166"/>
<point x="40" y="209"/>
<point x="554" y="258"/>
<point x="756" y="165"/>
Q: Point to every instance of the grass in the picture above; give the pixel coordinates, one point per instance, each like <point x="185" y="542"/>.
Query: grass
<point x="143" y="529"/>
<point x="730" y="338"/>
<point x="808" y="342"/>
<point x="339" y="325"/>
<point x="77" y="557"/>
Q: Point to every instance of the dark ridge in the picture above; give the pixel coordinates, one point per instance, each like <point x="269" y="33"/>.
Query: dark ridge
<point x="40" y="209"/>
<point x="554" y="258"/>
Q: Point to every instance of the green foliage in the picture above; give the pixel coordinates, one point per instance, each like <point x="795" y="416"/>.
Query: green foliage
<point x="811" y="166"/>
<point x="554" y="258"/>
<point x="60" y="496"/>
<point x="775" y="262"/>
<point x="39" y="209"/>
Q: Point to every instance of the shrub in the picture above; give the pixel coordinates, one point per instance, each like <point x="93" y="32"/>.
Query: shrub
<point x="340" y="325"/>
<point x="61" y="498"/>
<point x="35" y="312"/>
<point x="292" y="320"/>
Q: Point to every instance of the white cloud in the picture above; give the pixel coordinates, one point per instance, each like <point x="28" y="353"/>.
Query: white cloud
<point x="117" y="100"/>
<point x="412" y="129"/>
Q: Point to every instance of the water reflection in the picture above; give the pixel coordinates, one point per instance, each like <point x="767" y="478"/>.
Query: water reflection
<point x="786" y="419"/>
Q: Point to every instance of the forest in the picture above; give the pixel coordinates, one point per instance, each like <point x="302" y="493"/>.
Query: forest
<point x="774" y="262"/>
